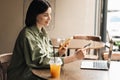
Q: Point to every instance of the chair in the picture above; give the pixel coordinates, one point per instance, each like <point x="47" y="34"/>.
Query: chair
<point x="91" y="53"/>
<point x="94" y="38"/>
<point x="115" y="56"/>
<point x="4" y="62"/>
<point x="115" y="53"/>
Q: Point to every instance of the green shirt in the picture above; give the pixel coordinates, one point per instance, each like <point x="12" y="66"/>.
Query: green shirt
<point x="33" y="49"/>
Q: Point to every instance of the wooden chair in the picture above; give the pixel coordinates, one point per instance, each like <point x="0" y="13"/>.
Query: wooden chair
<point x="115" y="54"/>
<point x="94" y="38"/>
<point x="94" y="51"/>
<point x="4" y="62"/>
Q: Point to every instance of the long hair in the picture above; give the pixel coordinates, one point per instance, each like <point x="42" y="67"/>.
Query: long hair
<point x="36" y="7"/>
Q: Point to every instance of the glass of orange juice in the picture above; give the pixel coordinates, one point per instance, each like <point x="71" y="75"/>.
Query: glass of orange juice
<point x="55" y="67"/>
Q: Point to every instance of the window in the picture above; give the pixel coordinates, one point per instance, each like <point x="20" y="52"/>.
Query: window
<point x="113" y="18"/>
<point x="113" y="22"/>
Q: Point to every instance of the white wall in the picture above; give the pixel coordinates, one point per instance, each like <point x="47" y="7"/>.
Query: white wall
<point x="11" y="19"/>
<point x="71" y="17"/>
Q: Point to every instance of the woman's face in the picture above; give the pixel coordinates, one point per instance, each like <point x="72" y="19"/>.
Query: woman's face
<point x="44" y="18"/>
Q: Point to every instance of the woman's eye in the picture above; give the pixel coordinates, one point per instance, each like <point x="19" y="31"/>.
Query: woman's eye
<point x="45" y="15"/>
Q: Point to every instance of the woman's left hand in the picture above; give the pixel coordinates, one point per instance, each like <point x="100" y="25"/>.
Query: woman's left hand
<point x="62" y="50"/>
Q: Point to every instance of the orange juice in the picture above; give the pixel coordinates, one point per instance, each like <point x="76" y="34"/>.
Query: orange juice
<point x="55" y="70"/>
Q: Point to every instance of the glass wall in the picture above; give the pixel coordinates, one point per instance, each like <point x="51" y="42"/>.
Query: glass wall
<point x="113" y="18"/>
<point x="113" y="22"/>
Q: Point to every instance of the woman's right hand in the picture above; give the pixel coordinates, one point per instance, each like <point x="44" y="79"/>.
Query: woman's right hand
<point x="80" y="53"/>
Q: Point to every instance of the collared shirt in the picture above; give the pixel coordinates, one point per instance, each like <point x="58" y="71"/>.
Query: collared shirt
<point x="33" y="49"/>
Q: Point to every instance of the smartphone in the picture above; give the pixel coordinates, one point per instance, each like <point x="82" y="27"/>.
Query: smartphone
<point x="65" y="43"/>
<point x="87" y="45"/>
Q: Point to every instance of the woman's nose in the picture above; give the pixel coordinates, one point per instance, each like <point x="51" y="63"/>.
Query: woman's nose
<point x="49" y="17"/>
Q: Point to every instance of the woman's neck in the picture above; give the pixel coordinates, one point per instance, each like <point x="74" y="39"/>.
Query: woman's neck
<point x="40" y="27"/>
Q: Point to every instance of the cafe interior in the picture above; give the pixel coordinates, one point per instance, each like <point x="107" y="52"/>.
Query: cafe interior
<point x="83" y="23"/>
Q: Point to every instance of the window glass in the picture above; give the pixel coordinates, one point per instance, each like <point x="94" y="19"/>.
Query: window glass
<point x="113" y="18"/>
<point x="113" y="22"/>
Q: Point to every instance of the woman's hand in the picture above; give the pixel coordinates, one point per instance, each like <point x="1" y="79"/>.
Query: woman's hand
<point x="63" y="46"/>
<point x="80" y="53"/>
<point x="62" y="50"/>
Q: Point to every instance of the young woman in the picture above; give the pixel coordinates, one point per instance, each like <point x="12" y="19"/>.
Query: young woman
<point x="33" y="48"/>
